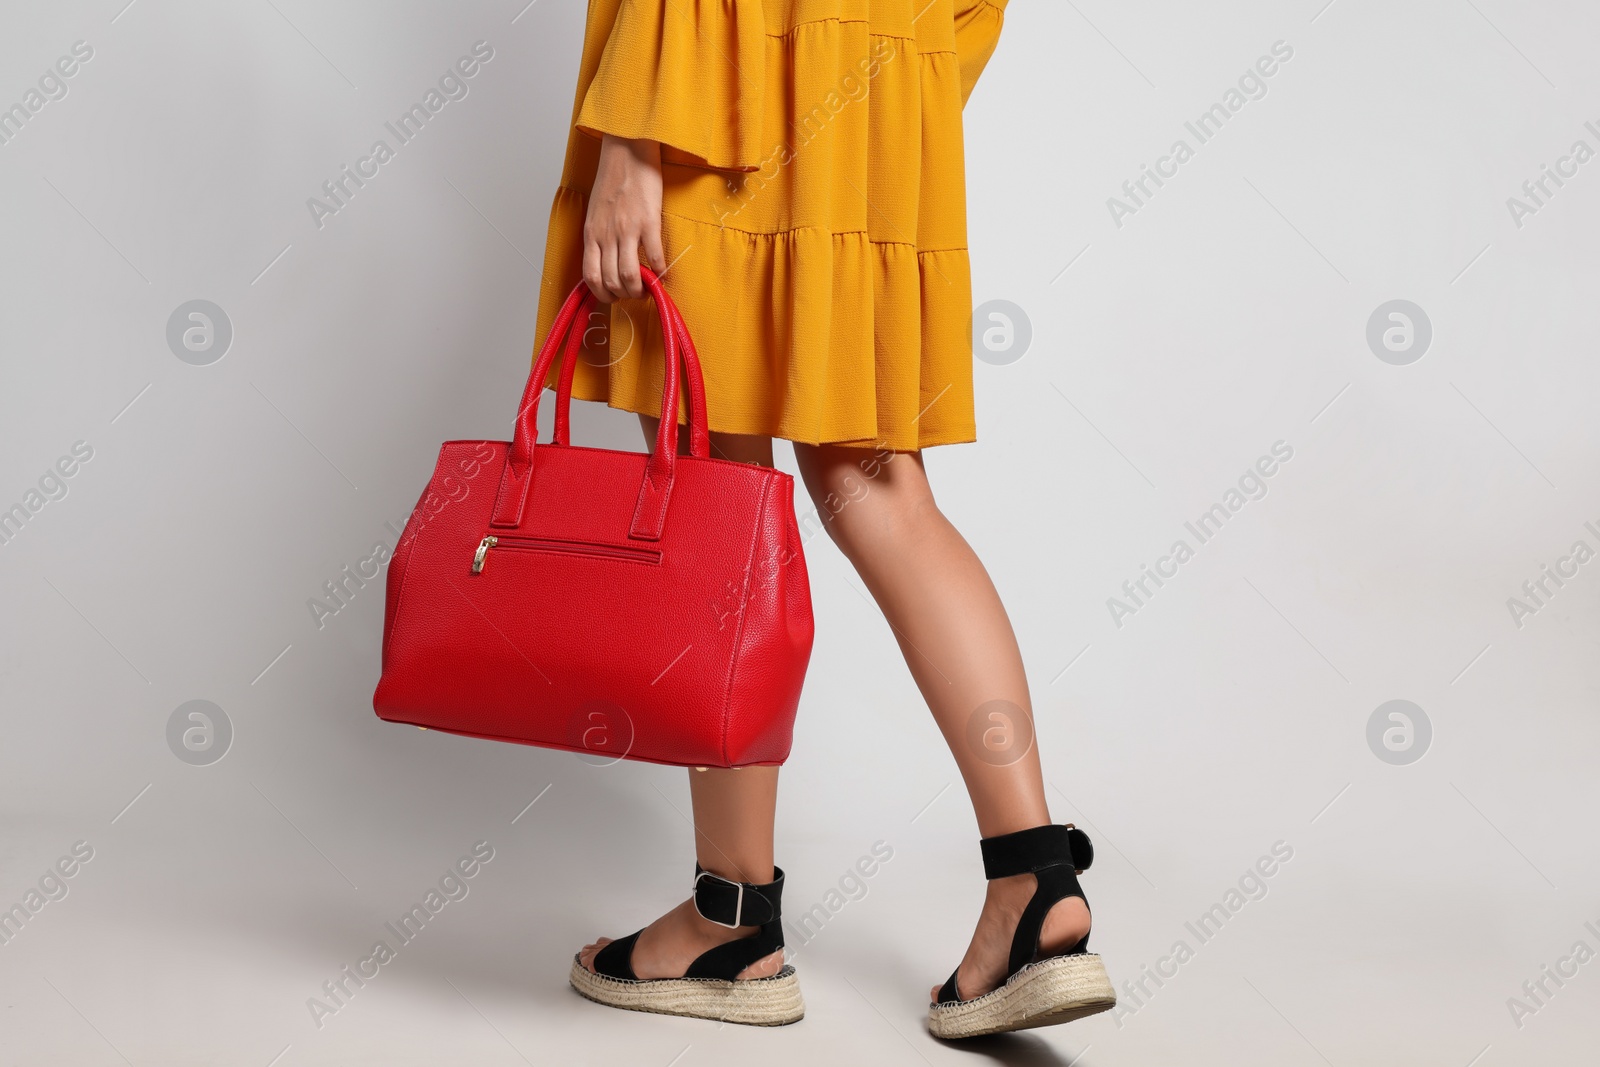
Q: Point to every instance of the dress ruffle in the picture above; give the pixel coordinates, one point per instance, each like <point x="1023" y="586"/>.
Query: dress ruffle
<point x="682" y="72"/>
<point x="814" y="215"/>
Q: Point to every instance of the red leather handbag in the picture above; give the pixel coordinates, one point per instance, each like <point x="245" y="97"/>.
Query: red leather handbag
<point x="645" y="606"/>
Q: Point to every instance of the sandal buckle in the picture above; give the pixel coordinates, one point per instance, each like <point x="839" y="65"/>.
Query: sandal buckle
<point x="738" y="906"/>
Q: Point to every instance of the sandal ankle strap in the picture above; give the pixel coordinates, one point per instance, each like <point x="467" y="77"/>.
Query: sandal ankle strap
<point x="1055" y="854"/>
<point x="1035" y="849"/>
<point x="734" y="904"/>
<point x="726" y="903"/>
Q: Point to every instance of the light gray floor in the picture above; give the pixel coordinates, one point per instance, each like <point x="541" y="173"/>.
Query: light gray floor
<point x="216" y="905"/>
<point x="206" y="920"/>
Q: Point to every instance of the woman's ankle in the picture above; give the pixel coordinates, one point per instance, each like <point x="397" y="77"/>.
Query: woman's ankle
<point x="752" y="873"/>
<point x="1064" y="924"/>
<point x="710" y="932"/>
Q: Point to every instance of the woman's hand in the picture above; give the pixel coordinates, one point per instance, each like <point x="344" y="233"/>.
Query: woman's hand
<point x="624" y="214"/>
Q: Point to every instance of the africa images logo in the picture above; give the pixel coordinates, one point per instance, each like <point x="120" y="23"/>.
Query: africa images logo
<point x="1252" y="85"/>
<point x="343" y="186"/>
<point x="1252" y="485"/>
<point x="452" y="887"/>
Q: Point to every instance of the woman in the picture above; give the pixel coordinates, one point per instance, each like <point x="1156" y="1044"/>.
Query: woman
<point x="794" y="168"/>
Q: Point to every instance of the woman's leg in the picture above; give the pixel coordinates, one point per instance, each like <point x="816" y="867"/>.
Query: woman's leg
<point x="733" y="816"/>
<point x="958" y="642"/>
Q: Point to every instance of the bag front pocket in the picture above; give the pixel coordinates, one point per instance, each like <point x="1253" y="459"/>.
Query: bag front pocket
<point x="599" y="549"/>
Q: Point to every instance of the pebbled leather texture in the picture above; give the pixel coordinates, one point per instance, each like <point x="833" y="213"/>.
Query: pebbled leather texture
<point x="653" y="607"/>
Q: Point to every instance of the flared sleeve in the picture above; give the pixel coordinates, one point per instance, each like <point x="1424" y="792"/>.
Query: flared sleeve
<point x="978" y="25"/>
<point x="686" y="73"/>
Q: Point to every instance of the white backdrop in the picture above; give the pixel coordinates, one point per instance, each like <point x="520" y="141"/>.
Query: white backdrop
<point x="180" y="509"/>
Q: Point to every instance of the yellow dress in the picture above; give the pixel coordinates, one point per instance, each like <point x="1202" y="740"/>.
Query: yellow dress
<point x="813" y="210"/>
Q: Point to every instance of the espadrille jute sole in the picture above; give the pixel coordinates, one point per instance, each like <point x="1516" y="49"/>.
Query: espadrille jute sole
<point x="1056" y="990"/>
<point x="771" y="1001"/>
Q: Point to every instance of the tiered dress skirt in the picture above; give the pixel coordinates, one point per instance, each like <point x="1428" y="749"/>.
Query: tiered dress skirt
<point x="813" y="213"/>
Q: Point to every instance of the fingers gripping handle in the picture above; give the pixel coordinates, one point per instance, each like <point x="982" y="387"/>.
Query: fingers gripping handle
<point x="650" y="513"/>
<point x="699" y="439"/>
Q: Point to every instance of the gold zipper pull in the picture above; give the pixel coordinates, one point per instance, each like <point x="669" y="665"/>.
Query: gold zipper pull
<point x="483" y="553"/>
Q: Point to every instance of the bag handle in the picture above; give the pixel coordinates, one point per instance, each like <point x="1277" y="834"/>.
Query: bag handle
<point x="699" y="442"/>
<point x="516" y="477"/>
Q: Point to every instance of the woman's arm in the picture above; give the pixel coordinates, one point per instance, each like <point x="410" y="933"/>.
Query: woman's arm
<point x="624" y="215"/>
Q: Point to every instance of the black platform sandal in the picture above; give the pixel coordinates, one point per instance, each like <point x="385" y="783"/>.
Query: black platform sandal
<point x="1036" y="992"/>
<point x="708" y="989"/>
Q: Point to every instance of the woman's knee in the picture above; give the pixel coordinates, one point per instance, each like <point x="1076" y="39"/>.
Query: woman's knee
<point x="865" y="497"/>
<point x="742" y="448"/>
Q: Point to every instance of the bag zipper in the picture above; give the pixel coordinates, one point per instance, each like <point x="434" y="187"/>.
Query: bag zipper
<point x="555" y="544"/>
